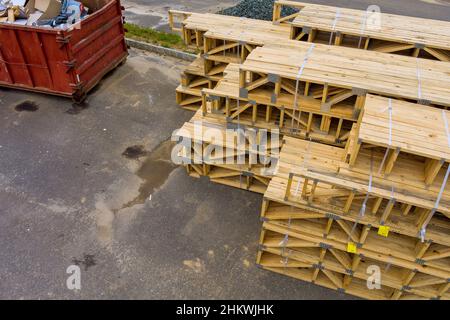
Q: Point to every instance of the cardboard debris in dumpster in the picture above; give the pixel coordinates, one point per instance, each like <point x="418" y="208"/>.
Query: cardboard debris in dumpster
<point x="34" y="17"/>
<point x="44" y="13"/>
<point x="43" y="9"/>
<point x="28" y="12"/>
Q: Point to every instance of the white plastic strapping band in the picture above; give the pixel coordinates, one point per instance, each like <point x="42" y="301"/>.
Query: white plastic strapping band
<point x="369" y="190"/>
<point x="333" y="29"/>
<point x="285" y="240"/>
<point x="389" y="263"/>
<point x="362" y="212"/>
<point x="299" y="74"/>
<point x="363" y="28"/>
<point x="305" y="60"/>
<point x="390" y="136"/>
<point x="444" y="183"/>
<point x="284" y="243"/>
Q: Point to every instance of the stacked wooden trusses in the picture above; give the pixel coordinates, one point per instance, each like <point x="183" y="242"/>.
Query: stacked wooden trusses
<point x="356" y="190"/>
<point x="227" y="156"/>
<point x="221" y="40"/>
<point x="369" y="30"/>
<point x="382" y="210"/>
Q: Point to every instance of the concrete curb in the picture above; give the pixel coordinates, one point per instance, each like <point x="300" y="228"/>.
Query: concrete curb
<point x="161" y="50"/>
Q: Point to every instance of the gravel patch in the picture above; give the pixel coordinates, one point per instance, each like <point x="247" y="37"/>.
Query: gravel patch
<point x="255" y="9"/>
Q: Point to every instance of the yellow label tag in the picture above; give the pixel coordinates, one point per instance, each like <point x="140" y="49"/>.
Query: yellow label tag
<point x="383" y="231"/>
<point x="351" y="247"/>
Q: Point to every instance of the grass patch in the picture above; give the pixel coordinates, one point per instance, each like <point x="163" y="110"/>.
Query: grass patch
<point x="163" y="39"/>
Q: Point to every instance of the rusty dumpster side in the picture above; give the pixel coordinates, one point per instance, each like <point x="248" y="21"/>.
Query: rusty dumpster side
<point x="63" y="62"/>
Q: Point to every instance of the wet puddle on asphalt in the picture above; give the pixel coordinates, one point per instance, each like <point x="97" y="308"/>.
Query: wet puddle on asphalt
<point x="154" y="170"/>
<point x="29" y="106"/>
<point x="135" y="152"/>
<point x="77" y="108"/>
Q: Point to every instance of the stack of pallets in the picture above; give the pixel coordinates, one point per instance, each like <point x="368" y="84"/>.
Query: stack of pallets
<point x="355" y="189"/>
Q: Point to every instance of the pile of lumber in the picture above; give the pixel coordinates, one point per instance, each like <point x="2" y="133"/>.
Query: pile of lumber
<point x="365" y="205"/>
<point x="368" y="30"/>
<point x="209" y="148"/>
<point x="222" y="40"/>
<point x="349" y="144"/>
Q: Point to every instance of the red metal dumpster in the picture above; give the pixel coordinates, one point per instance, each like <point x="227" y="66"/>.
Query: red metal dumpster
<point x="64" y="62"/>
